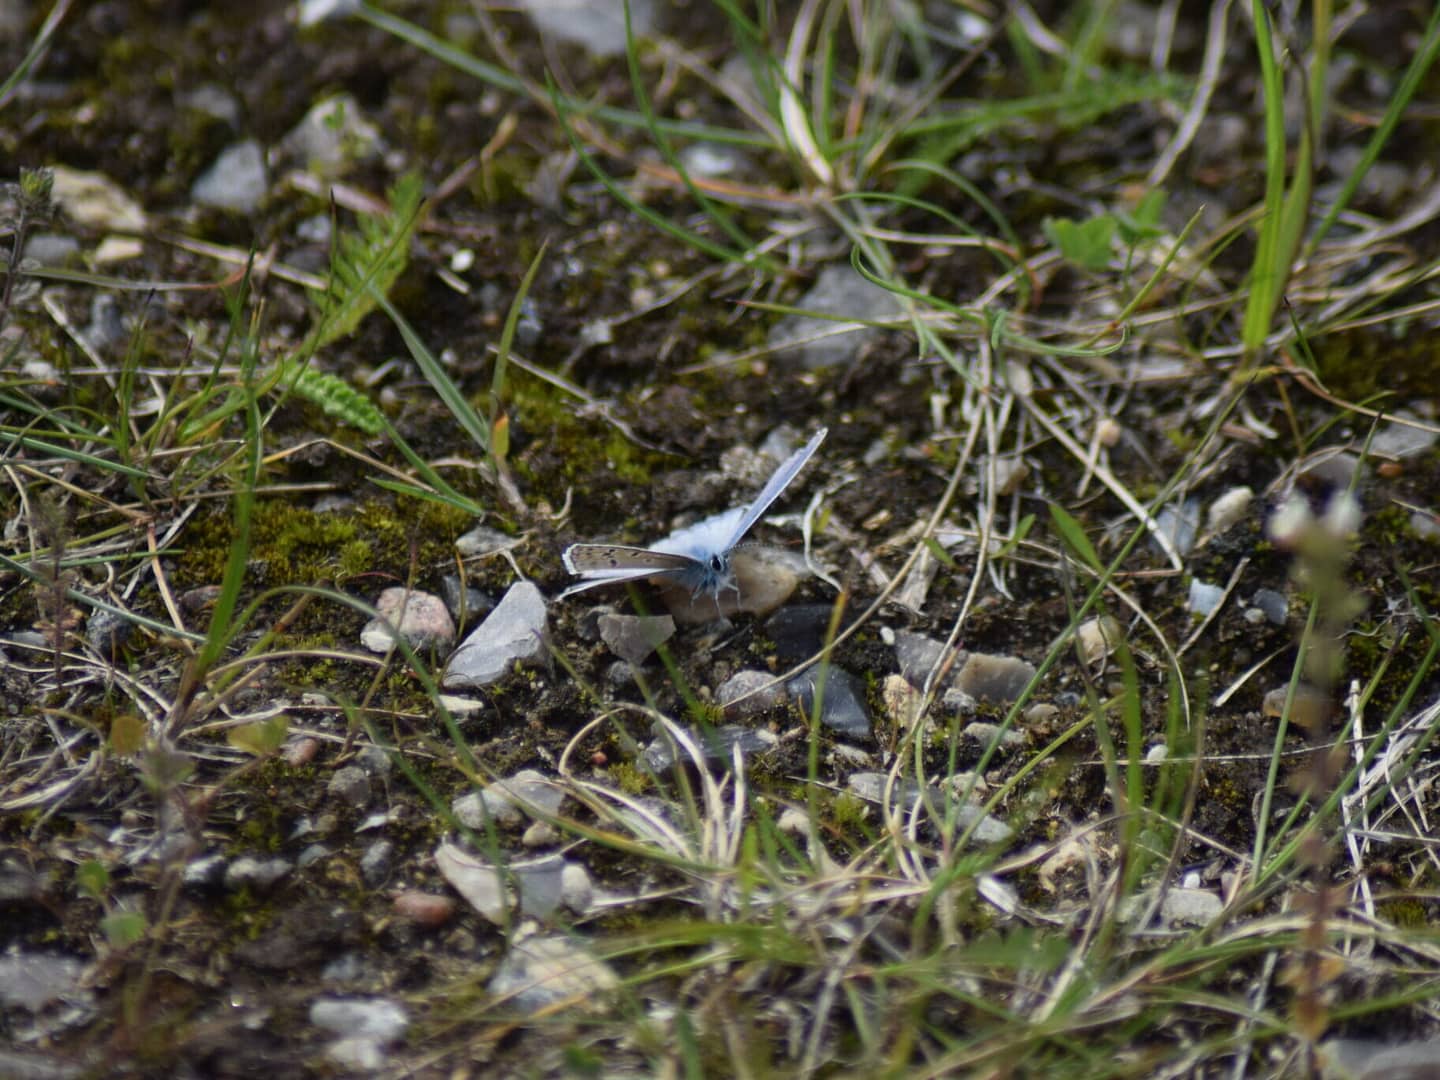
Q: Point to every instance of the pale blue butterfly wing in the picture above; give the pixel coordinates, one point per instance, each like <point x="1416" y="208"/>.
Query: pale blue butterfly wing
<point x="778" y="482"/>
<point x="696" y="557"/>
<point x="607" y="564"/>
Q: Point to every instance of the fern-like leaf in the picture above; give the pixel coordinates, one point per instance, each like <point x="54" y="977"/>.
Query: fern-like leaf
<point x="339" y="399"/>
<point x="364" y="263"/>
<point x="370" y="257"/>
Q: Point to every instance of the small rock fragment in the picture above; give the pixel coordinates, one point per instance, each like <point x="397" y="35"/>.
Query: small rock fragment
<point x="799" y="631"/>
<point x="1180" y="524"/>
<point x="988" y="734"/>
<point x="514" y="633"/>
<point x="483" y="541"/>
<point x="1398" y="440"/>
<point x="597" y="28"/>
<point x="236" y="181"/>
<point x="375" y="863"/>
<point x="1204" y="597"/>
<point x="31" y="981"/>
<point x="842" y="700"/>
<point x="93" y="201"/>
<point x="107" y="632"/>
<point x="540" y="834"/>
<point x="421" y="619"/>
<point x="505" y="801"/>
<point x="817" y="341"/>
<point x="424" y="908"/>
<point x="205" y="872"/>
<point x="350" y="785"/>
<point x="634" y="637"/>
<point x="541" y="883"/>
<point x="300" y="752"/>
<point x="747" y="693"/>
<point x="902" y="702"/>
<point x="1098" y="638"/>
<point x="248" y="872"/>
<point x="1273" y="604"/>
<point x="475" y="880"/>
<point x="544" y="971"/>
<point x="1181" y="907"/>
<point x="366" y="1025"/>
<point x="1229" y="509"/>
<point x="1311" y="708"/>
<point x="998" y="679"/>
<point x="918" y="655"/>
<point x="576" y="890"/>
<point x="465" y="603"/>
<point x="331" y="137"/>
<point x="716" y="744"/>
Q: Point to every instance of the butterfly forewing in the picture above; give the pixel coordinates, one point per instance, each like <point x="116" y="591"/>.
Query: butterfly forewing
<point x="609" y="564"/>
<point x="778" y="482"/>
<point x="621" y="560"/>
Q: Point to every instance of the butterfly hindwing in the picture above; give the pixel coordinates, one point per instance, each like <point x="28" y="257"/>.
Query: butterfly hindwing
<point x="778" y="482"/>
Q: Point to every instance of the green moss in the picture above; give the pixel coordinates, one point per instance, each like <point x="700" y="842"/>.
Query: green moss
<point x="848" y="813"/>
<point x="1366" y="363"/>
<point x="630" y="778"/>
<point x="1407" y="913"/>
<point x="355" y="558"/>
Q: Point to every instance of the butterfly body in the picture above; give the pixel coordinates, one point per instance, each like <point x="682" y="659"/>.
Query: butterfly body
<point x="696" y="558"/>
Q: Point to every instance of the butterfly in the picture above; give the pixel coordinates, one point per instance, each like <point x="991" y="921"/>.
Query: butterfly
<point x="696" y="558"/>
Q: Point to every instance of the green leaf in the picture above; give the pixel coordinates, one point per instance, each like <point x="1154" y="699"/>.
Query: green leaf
<point x="123" y="928"/>
<point x="1086" y="244"/>
<point x="92" y="879"/>
<point x="1143" y="223"/>
<point x="260" y="738"/>
<point x="127" y="734"/>
<point x="941" y="555"/>
<point x="1021" y="531"/>
<point x="1074" y="536"/>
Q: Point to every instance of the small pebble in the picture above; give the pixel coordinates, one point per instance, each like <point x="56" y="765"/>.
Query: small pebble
<point x="1273" y="604"/>
<point x="998" y="679"/>
<point x="842" y="702"/>
<point x="747" y="693"/>
<point x="350" y="785"/>
<point x="300" y="752"/>
<point x="514" y="633"/>
<point x="634" y="637"/>
<point x="1204" y="597"/>
<point x="1098" y="638"/>
<point x="544" y="971"/>
<point x="902" y="701"/>
<point x="1311" y="708"/>
<point x="375" y="863"/>
<point x="987" y="734"/>
<point x="424" y="908"/>
<point x="421" y="620"/>
<point x="248" y="872"/>
<point x="1229" y="509"/>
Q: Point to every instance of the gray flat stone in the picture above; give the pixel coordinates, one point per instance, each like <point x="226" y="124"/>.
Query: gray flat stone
<point x="842" y="700"/>
<point x="998" y="679"/>
<point x="236" y="181"/>
<point x="747" y="693"/>
<point x="514" y="633"/>
<point x="544" y="971"/>
<point x="634" y="637"/>
<point x="816" y="342"/>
